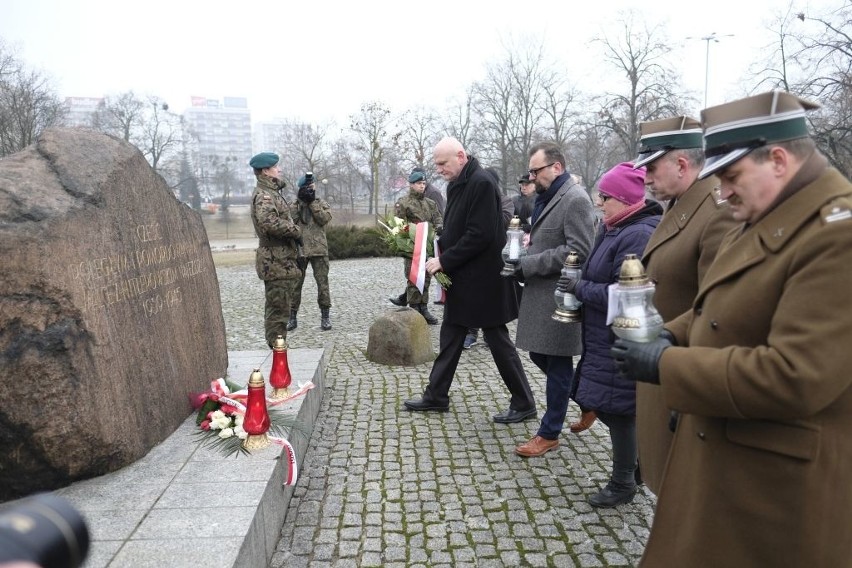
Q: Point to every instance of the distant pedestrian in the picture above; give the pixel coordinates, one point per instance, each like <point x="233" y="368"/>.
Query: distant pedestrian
<point x="312" y="214"/>
<point x="525" y="201"/>
<point x="276" y="248"/>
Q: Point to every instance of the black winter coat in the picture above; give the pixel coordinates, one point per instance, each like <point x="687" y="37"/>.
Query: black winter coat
<point x="470" y="252"/>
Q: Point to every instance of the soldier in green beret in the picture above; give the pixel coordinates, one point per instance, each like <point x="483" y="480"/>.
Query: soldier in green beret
<point x="277" y="237"/>
<point x="312" y="214"/>
<point x="414" y="208"/>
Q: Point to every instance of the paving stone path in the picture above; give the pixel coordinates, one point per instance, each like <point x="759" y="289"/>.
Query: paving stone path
<point x="385" y="487"/>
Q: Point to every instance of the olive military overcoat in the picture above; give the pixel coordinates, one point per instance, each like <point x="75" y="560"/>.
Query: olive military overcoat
<point x="676" y="258"/>
<point x="760" y="470"/>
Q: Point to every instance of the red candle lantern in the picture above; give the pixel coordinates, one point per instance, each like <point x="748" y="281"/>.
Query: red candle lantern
<point x="279" y="377"/>
<point x="256" y="422"/>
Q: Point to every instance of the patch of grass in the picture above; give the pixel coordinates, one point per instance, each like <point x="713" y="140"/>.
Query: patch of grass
<point x="224" y="259"/>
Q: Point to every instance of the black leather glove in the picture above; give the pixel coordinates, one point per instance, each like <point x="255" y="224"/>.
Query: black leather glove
<point x="515" y="263"/>
<point x="302" y="262"/>
<point x="306" y="194"/>
<point x="639" y="361"/>
<point x="565" y="284"/>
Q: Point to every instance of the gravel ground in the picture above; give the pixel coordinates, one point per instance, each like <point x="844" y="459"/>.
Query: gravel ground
<point x="384" y="487"/>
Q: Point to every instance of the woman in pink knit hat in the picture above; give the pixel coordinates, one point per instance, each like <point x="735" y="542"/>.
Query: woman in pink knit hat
<point x="628" y="221"/>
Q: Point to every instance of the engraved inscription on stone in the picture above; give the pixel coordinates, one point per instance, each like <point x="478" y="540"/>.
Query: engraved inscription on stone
<point x="109" y="310"/>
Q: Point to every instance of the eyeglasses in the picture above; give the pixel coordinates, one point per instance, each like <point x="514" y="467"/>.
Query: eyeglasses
<point x="535" y="171"/>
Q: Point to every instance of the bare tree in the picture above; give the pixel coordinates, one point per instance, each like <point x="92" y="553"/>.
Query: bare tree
<point x="28" y="103"/>
<point x="303" y="148"/>
<point x="160" y="132"/>
<point x="420" y="132"/>
<point x="372" y="128"/>
<point x="826" y="56"/>
<point x="592" y="150"/>
<point x="459" y="123"/>
<point x="640" y="56"/>
<point x="557" y="106"/>
<point x="121" y="115"/>
<point x="509" y="106"/>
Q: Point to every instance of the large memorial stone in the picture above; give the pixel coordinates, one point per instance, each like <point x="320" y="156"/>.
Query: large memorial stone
<point x="400" y="337"/>
<point x="109" y="310"/>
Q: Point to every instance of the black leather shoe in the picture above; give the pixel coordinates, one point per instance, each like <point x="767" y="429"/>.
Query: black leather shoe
<point x="398" y="300"/>
<point x="423" y="405"/>
<point x="612" y="495"/>
<point x="512" y="416"/>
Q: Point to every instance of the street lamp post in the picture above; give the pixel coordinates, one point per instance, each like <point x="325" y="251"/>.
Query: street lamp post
<point x="714" y="37"/>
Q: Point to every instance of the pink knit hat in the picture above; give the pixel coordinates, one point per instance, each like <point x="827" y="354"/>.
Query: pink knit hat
<point x="624" y="183"/>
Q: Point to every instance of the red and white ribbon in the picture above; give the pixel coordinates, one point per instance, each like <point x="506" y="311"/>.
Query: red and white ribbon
<point x="417" y="274"/>
<point x="292" y="474"/>
<point x="302" y="390"/>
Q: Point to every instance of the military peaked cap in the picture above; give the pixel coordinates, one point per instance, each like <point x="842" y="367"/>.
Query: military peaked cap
<point x="659" y="136"/>
<point x="734" y="129"/>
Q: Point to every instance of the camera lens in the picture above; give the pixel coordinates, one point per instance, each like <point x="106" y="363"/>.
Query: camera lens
<point x="44" y="529"/>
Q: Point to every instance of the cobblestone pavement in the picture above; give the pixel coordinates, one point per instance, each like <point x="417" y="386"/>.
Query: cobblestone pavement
<point x="381" y="486"/>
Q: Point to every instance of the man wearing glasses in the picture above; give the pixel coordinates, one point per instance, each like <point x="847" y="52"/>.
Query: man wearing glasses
<point x="562" y="221"/>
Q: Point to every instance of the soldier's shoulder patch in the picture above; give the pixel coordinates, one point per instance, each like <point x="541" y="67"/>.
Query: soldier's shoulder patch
<point x="837" y="210"/>
<point x="265" y="197"/>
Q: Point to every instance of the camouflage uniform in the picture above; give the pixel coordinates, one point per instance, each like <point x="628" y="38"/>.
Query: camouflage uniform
<point x="415" y="208"/>
<point x="276" y="253"/>
<point x="312" y="218"/>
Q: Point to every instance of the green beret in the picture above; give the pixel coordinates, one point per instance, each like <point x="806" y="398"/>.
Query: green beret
<point x="303" y="182"/>
<point x="415" y="177"/>
<point x="264" y="160"/>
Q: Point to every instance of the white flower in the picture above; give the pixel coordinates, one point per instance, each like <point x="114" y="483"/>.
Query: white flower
<point x="216" y="415"/>
<point x="395" y="231"/>
<point x="226" y="433"/>
<point x="239" y="432"/>
<point x="239" y="419"/>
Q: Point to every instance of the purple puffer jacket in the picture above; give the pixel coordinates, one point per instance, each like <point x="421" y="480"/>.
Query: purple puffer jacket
<point x="599" y="386"/>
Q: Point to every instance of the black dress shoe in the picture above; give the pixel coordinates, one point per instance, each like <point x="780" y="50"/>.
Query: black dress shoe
<point x="423" y="405"/>
<point x="512" y="416"/>
<point x="398" y="300"/>
<point x="612" y="495"/>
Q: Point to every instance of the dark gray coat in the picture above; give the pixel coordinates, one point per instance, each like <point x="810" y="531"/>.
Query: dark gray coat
<point x="565" y="224"/>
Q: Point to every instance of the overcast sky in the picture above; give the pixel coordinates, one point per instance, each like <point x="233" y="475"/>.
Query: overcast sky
<point x="317" y="60"/>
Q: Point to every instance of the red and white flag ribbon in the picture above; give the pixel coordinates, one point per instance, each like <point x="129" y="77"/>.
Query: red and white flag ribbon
<point x="417" y="274"/>
<point x="288" y="457"/>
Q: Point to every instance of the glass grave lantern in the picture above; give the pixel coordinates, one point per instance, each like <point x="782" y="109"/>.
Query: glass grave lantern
<point x="256" y="422"/>
<point x="636" y="318"/>
<point x="567" y="304"/>
<point x="514" y="249"/>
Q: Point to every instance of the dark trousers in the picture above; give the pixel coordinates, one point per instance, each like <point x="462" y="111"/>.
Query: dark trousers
<point x="559" y="371"/>
<point x="505" y="357"/>
<point x="625" y="452"/>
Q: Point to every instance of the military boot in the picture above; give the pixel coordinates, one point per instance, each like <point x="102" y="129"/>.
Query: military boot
<point x="424" y="311"/>
<point x="398" y="300"/>
<point x="325" y="319"/>
<point x="292" y="324"/>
